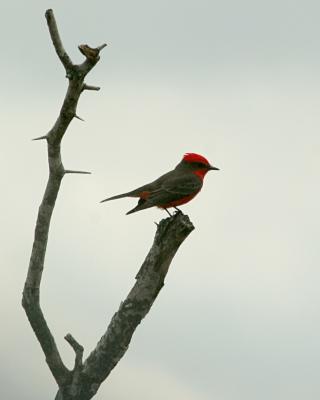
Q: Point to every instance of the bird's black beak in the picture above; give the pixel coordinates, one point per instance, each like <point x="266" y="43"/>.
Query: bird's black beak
<point x="213" y="168"/>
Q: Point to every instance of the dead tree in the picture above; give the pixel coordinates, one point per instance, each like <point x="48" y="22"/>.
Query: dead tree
<point x="83" y="381"/>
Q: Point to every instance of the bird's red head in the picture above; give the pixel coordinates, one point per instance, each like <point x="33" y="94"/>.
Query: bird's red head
<point x="199" y="163"/>
<point x="193" y="158"/>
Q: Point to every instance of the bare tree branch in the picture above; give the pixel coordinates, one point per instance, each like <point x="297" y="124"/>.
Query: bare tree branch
<point x="55" y="37"/>
<point x="31" y="292"/>
<point x="76" y="378"/>
<point x="78" y="349"/>
<point x="86" y="377"/>
<point x="170" y="234"/>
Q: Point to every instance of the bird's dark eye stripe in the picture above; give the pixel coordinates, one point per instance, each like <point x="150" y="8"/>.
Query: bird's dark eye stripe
<point x="200" y="165"/>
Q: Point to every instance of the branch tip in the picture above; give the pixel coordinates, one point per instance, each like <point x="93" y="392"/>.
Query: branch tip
<point x="102" y="46"/>
<point x="77" y="348"/>
<point x="49" y="13"/>
<point x="77" y="116"/>
<point x="90" y="53"/>
<point x="56" y="40"/>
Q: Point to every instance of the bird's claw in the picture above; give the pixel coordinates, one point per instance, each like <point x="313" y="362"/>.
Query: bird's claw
<point x="178" y="211"/>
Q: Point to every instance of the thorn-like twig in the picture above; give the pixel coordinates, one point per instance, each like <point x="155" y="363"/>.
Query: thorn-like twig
<point x="68" y="381"/>
<point x="70" y="171"/>
<point x="77" y="116"/>
<point x="78" y="349"/>
<point x="45" y="137"/>
<point x="89" y="87"/>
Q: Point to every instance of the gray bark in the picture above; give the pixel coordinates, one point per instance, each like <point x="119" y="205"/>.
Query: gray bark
<point x="83" y="381"/>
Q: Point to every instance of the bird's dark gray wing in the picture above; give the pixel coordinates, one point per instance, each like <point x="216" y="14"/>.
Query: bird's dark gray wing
<point x="174" y="189"/>
<point x="168" y="190"/>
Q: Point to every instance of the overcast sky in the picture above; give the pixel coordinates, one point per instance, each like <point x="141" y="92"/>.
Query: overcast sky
<point x="237" y="81"/>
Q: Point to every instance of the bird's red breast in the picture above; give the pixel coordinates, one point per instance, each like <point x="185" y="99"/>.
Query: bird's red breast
<point x="179" y="202"/>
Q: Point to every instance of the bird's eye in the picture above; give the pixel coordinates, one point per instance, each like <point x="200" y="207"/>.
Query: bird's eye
<point x="200" y="165"/>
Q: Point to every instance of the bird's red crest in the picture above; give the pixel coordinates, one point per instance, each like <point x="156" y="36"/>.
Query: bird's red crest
<point x="193" y="157"/>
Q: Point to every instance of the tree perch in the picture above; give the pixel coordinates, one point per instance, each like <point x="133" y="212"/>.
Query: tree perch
<point x="86" y="377"/>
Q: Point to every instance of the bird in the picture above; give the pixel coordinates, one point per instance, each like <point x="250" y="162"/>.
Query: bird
<point x="173" y="189"/>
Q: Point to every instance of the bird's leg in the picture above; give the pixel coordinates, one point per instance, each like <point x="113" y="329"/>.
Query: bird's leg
<point x="178" y="210"/>
<point x="168" y="212"/>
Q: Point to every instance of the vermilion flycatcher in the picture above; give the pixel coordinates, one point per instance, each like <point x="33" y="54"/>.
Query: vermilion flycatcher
<point x="174" y="188"/>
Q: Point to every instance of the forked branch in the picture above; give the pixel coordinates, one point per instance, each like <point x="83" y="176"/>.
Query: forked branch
<point x="83" y="381"/>
<point x="31" y="292"/>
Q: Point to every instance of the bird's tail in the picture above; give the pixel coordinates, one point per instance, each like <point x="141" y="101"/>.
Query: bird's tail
<point x="142" y="205"/>
<point x="118" y="196"/>
<point x="137" y="208"/>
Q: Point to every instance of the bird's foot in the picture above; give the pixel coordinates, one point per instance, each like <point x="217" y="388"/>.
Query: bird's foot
<point x="178" y="211"/>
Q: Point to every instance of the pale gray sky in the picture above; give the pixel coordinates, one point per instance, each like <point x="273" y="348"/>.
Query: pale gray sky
<point x="238" y="82"/>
